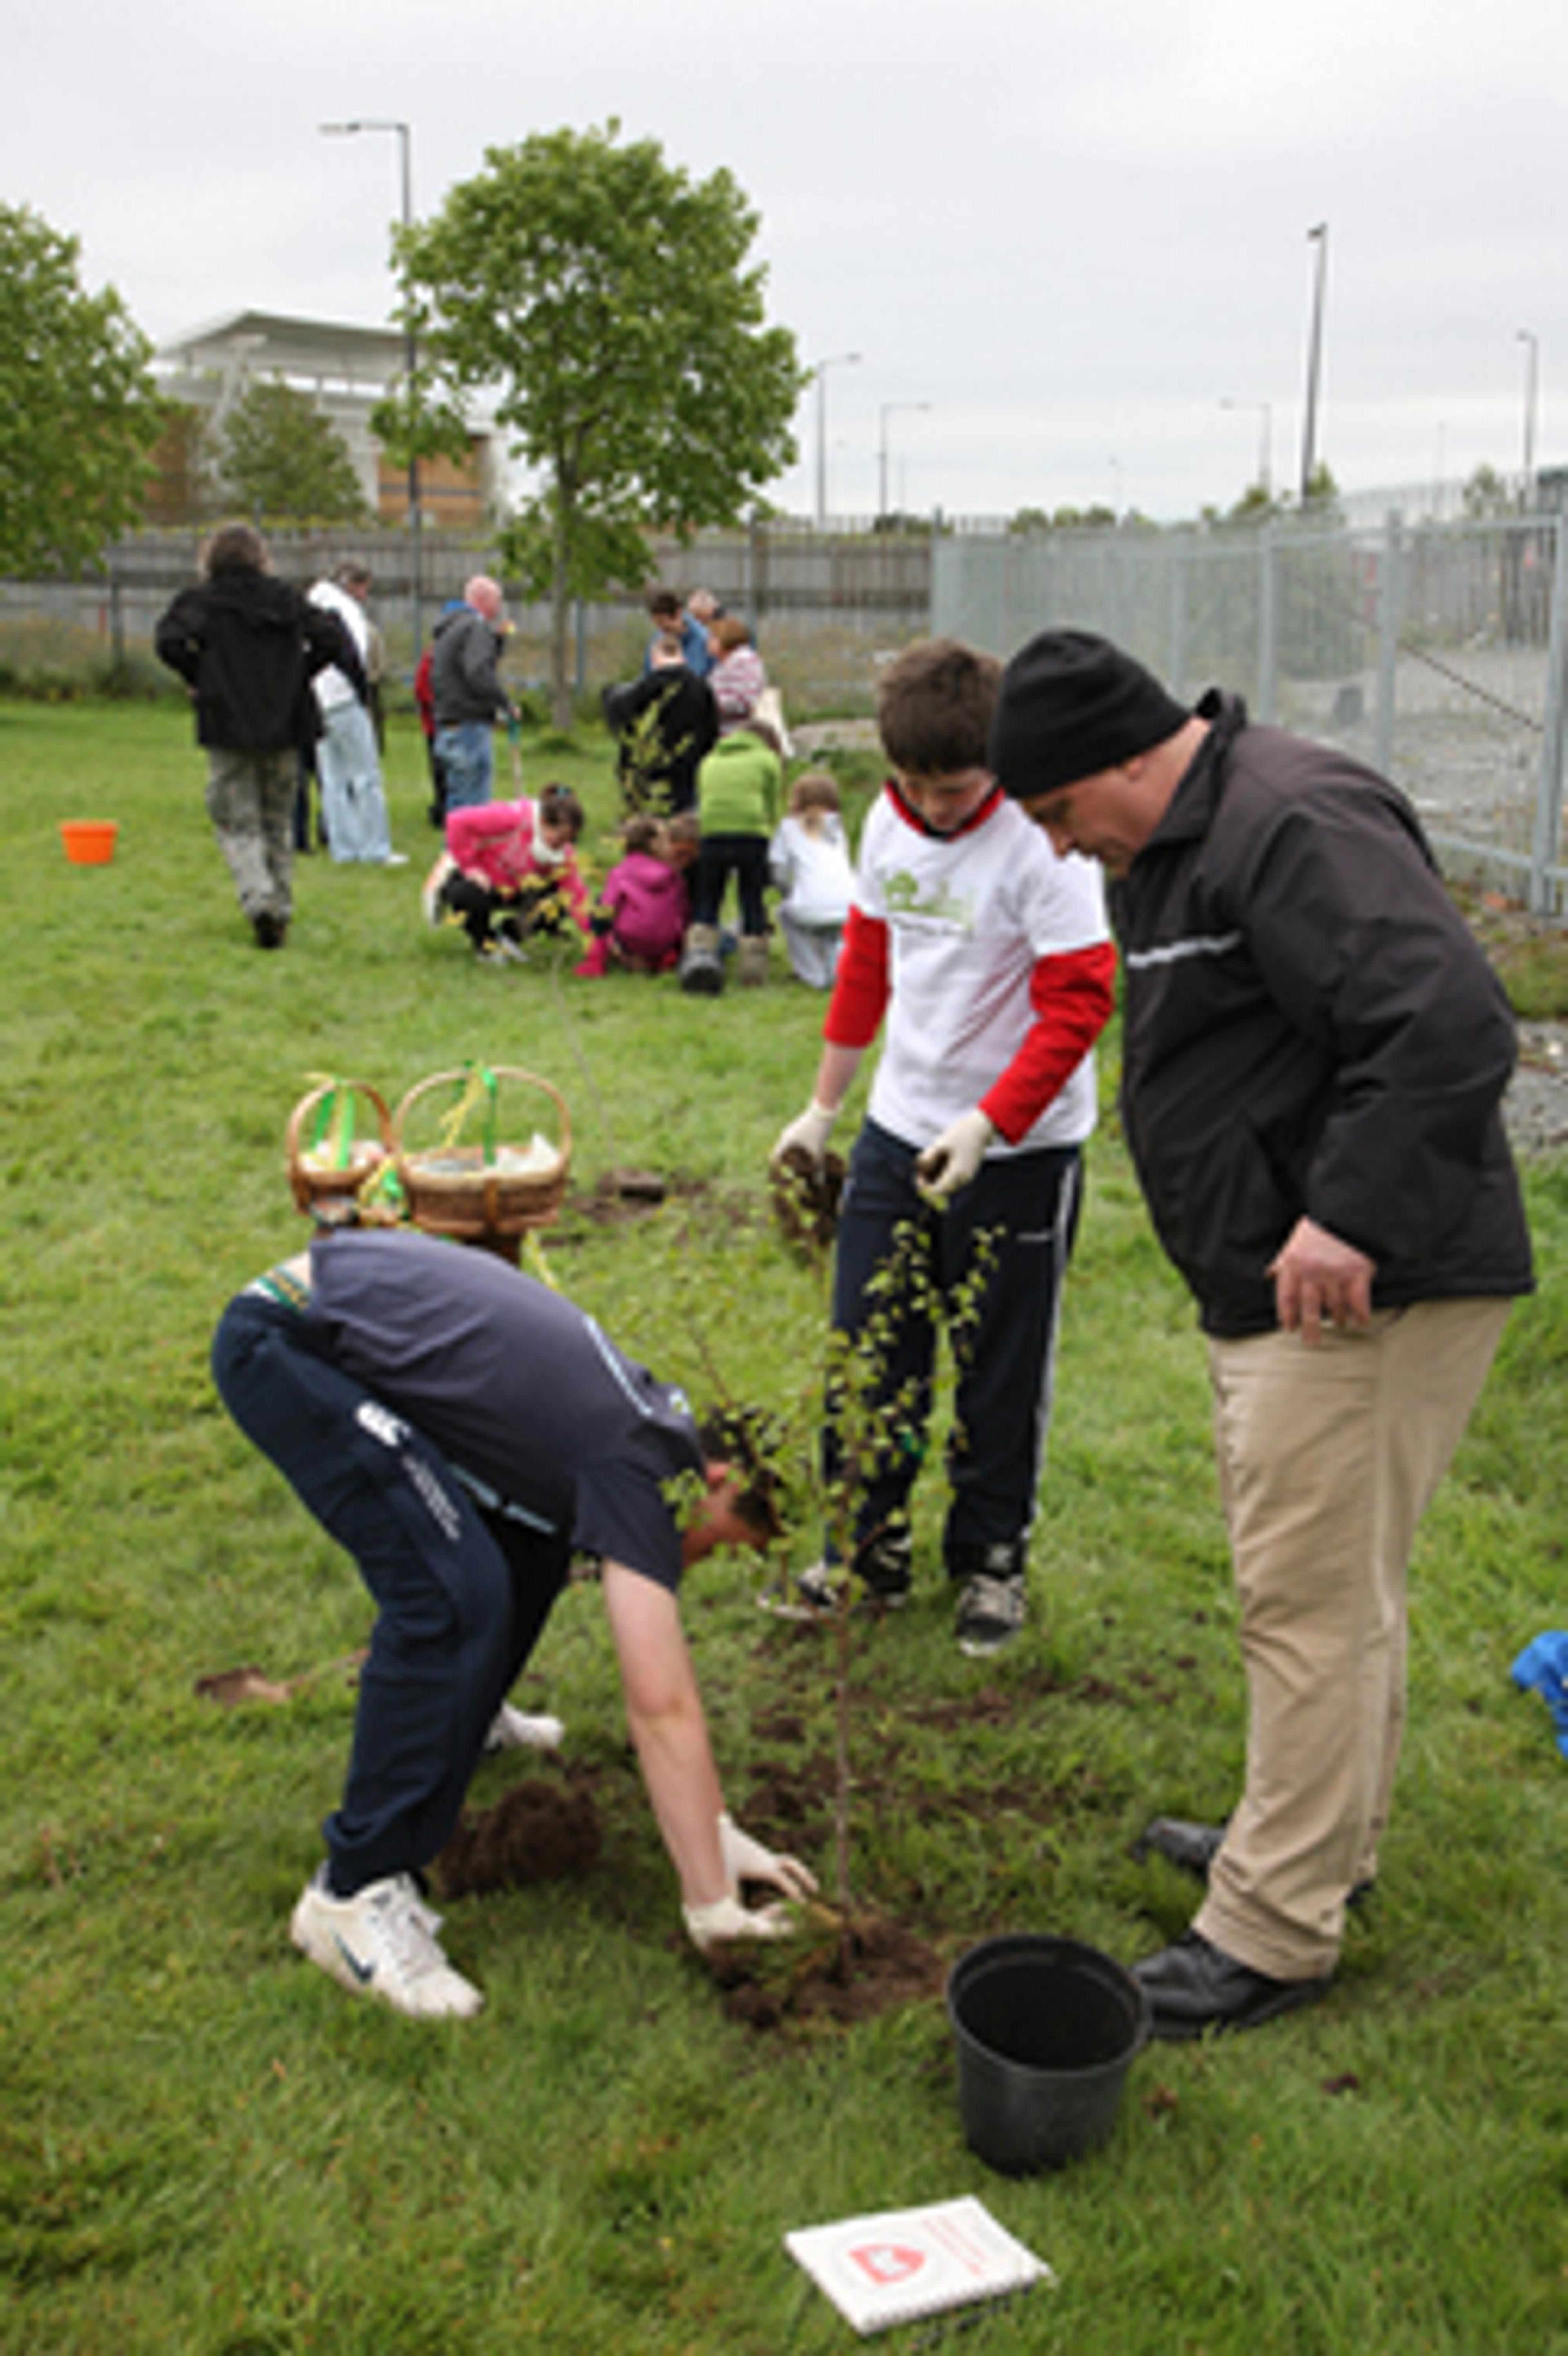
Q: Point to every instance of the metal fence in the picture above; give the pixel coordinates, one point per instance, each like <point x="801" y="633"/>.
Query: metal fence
<point x="824" y="604"/>
<point x="1435" y="654"/>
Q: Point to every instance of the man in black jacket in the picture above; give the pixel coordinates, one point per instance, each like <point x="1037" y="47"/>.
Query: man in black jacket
<point x="248" y="646"/>
<point x="1314" y="1055"/>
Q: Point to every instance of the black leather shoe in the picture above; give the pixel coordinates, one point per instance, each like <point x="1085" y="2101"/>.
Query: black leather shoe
<point x="1193" y="1987"/>
<point x="1194" y="1847"/>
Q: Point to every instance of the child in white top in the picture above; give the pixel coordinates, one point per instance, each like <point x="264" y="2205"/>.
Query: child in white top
<point x="809" y="862"/>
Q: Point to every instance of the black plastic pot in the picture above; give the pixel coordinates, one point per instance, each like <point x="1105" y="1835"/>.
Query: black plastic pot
<point x="1046" y="2030"/>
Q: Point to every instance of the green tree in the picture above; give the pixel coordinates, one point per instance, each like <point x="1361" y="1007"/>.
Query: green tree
<point x="79" y="412"/>
<point x="281" y="457"/>
<point x="1487" y="496"/>
<point x="603" y="301"/>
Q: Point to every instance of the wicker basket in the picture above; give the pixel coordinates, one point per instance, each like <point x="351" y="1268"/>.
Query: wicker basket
<point x="487" y="1193"/>
<point x="326" y="1178"/>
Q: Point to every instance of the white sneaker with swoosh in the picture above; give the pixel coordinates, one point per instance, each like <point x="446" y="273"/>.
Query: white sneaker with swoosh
<point x="382" y="1942"/>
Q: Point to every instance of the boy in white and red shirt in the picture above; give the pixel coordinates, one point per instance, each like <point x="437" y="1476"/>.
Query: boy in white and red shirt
<point x="994" y="970"/>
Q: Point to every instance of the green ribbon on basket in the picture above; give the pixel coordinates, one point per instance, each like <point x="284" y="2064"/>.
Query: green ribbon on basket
<point x="335" y="1112"/>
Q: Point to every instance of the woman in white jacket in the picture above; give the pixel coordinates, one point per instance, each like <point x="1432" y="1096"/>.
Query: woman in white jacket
<point x="353" y="802"/>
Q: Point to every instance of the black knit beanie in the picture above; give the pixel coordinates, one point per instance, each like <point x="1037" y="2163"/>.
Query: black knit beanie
<point x="1071" y="704"/>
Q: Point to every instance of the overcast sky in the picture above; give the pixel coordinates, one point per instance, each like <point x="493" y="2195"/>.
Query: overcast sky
<point x="1072" y="228"/>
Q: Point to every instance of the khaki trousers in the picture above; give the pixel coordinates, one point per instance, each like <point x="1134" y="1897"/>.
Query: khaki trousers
<point x="251" y="801"/>
<point x="1329" y="1457"/>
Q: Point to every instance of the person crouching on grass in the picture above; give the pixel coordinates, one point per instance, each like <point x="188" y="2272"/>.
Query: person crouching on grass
<point x="462" y="1430"/>
<point x="640" y="920"/>
<point x="511" y="869"/>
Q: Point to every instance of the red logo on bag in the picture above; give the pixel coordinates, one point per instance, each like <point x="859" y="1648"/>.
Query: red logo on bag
<point x="888" y="2262"/>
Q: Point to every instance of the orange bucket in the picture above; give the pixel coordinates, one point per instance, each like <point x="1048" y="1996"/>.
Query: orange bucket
<point x="88" y="842"/>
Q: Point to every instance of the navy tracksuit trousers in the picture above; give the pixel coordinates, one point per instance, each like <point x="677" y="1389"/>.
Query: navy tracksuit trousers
<point x="462" y="1593"/>
<point x="990" y="1267"/>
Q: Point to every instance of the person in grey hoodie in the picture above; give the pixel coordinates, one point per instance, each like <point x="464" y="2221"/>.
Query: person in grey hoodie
<point x="466" y="687"/>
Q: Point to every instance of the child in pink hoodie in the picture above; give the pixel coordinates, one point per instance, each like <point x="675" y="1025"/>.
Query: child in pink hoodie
<point x="641" y="917"/>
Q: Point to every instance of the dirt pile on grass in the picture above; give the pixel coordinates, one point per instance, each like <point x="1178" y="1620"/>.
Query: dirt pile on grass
<point x="539" y="1830"/>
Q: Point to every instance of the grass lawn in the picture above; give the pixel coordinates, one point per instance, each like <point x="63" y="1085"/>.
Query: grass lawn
<point x="206" y="2146"/>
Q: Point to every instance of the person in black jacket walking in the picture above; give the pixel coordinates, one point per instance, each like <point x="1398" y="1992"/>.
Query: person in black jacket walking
<point x="247" y="646"/>
<point x="1314" y="1055"/>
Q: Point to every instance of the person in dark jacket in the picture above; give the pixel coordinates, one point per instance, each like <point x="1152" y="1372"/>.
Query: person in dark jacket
<point x="1313" y="1054"/>
<point x="466" y="691"/>
<point x="664" y="722"/>
<point x="247" y="646"/>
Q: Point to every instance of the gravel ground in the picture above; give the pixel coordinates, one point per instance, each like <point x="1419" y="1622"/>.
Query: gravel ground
<point x="1536" y="1105"/>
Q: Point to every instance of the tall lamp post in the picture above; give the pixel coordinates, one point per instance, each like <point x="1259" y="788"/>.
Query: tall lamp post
<point x="411" y="355"/>
<point x="839" y="359"/>
<point x="1319" y="237"/>
<point x="889" y="409"/>
<point x="1531" y="394"/>
<point x="1266" y="437"/>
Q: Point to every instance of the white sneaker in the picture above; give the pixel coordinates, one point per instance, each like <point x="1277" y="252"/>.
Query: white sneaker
<point x="514" y="1730"/>
<point x="382" y="1942"/>
<point x="395" y="859"/>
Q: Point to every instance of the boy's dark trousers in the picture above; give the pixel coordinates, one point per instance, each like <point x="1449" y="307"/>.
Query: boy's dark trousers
<point x="461" y="1595"/>
<point x="746" y="857"/>
<point x="990" y="1267"/>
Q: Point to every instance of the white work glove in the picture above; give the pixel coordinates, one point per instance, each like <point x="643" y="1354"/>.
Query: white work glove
<point x="811" y="1130"/>
<point x="514" y="1730"/>
<point x="746" y="1859"/>
<point x="950" y="1160"/>
<point x="727" y="1918"/>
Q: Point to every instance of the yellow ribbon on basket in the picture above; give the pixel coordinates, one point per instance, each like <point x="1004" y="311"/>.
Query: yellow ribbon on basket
<point x="479" y="1089"/>
<point x="533" y="1252"/>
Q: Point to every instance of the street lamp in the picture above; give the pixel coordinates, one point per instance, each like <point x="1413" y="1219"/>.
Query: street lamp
<point x="1531" y="391"/>
<point x="1319" y="237"/>
<point x="1265" y="436"/>
<point x="411" y="349"/>
<point x="839" y="359"/>
<point x="890" y="409"/>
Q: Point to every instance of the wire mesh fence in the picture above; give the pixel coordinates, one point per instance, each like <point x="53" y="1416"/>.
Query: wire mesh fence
<point x="1435" y="655"/>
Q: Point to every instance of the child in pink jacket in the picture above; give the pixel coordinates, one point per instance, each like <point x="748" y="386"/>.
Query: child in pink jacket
<point x="641" y="917"/>
<point x="511" y="869"/>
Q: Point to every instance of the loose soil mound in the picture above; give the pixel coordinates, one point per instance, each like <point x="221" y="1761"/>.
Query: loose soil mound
<point x="540" y="1830"/>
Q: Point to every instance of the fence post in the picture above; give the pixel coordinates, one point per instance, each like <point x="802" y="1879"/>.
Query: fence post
<point x="1391" y="609"/>
<point x="1544" y="851"/>
<point x="1177" y="671"/>
<point x="1268" y="651"/>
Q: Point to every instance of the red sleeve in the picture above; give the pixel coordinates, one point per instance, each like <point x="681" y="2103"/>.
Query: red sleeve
<point x="1071" y="996"/>
<point x="861" y="992"/>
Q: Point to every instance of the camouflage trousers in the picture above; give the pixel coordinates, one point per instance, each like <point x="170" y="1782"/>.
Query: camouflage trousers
<point x="250" y="800"/>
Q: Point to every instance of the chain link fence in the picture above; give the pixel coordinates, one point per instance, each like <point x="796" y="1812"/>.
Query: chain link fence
<point x="1436" y="655"/>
